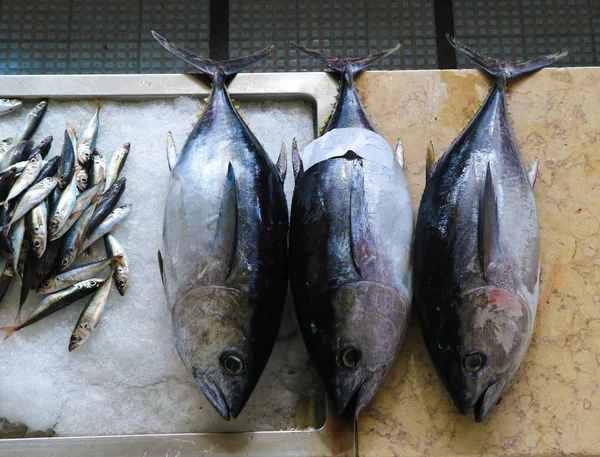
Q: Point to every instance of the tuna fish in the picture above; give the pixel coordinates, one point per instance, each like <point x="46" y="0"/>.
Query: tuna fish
<point x="477" y="250"/>
<point x="224" y="259"/>
<point x="351" y="232"/>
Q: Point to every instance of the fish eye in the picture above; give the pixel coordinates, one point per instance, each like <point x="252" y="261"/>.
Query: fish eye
<point x="36" y="244"/>
<point x="93" y="283"/>
<point x="474" y="362"/>
<point x="232" y="364"/>
<point x="121" y="283"/>
<point x="50" y="179"/>
<point x="53" y="224"/>
<point x="84" y="180"/>
<point x="350" y="357"/>
<point x="34" y="160"/>
<point x="64" y="262"/>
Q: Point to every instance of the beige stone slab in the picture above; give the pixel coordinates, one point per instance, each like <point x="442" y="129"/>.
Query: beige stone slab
<point x="552" y="406"/>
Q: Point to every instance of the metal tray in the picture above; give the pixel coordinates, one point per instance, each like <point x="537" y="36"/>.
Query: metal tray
<point x="336" y="436"/>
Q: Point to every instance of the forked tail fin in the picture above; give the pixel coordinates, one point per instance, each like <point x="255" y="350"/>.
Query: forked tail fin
<point x="212" y="68"/>
<point x="354" y="65"/>
<point x="506" y="70"/>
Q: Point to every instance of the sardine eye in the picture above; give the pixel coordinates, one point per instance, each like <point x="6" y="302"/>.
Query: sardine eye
<point x="53" y="224"/>
<point x="33" y="161"/>
<point x="350" y="357"/>
<point x="64" y="262"/>
<point x="36" y="244"/>
<point x="121" y="283"/>
<point x="84" y="180"/>
<point x="50" y="179"/>
<point x="93" y="283"/>
<point x="474" y="362"/>
<point x="232" y="364"/>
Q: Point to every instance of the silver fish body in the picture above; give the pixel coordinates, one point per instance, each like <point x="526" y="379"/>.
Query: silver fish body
<point x="36" y="223"/>
<point x="32" y="197"/>
<point x="8" y="105"/>
<point x="63" y="208"/>
<point x="87" y="138"/>
<point x="17" y="235"/>
<point x="73" y="276"/>
<point x="97" y="172"/>
<point x="115" y="165"/>
<point x="75" y="238"/>
<point x="27" y="177"/>
<point x="31" y="123"/>
<point x="121" y="275"/>
<point x="108" y="225"/>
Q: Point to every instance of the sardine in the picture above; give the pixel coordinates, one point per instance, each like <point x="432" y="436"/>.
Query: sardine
<point x="226" y="200"/>
<point x="108" y="225"/>
<point x="8" y="105"/>
<point x="82" y="178"/>
<point x="36" y="223"/>
<point x="66" y="166"/>
<point x="477" y="250"/>
<point x="17" y="235"/>
<point x="63" y="209"/>
<point x="31" y="198"/>
<point x="87" y="139"/>
<point x="107" y="203"/>
<point x="5" y="145"/>
<point x="57" y="301"/>
<point x="74" y="239"/>
<point x="48" y="170"/>
<point x="97" y="171"/>
<point x="121" y="275"/>
<point x="73" y="276"/>
<point x="90" y="316"/>
<point x="351" y="232"/>
<point x="115" y="165"/>
<point x="47" y="263"/>
<point x="26" y="179"/>
<point x="43" y="148"/>
<point x="31" y="123"/>
<point x="16" y="154"/>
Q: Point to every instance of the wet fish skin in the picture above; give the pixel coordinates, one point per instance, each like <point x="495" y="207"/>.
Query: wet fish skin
<point x="43" y="148"/>
<point x="90" y="316"/>
<point x="74" y="239"/>
<point x="87" y="138"/>
<point x="73" y="276"/>
<point x="47" y="263"/>
<point x="63" y="209"/>
<point x="17" y="236"/>
<point x="66" y="166"/>
<point x="109" y="224"/>
<point x="115" y="165"/>
<point x="31" y="123"/>
<point x="5" y="280"/>
<point x="82" y="178"/>
<point x="36" y="223"/>
<point x="48" y="170"/>
<point x="8" y="105"/>
<point x="16" y="154"/>
<point x="7" y="181"/>
<point x="97" y="172"/>
<point x="121" y="275"/>
<point x="26" y="179"/>
<point x="477" y="251"/>
<point x="5" y="145"/>
<point x="232" y="180"/>
<point x="107" y="203"/>
<point x="31" y="198"/>
<point x="55" y="302"/>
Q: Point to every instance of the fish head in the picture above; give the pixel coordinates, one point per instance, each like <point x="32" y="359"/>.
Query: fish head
<point x="48" y="286"/>
<point x="211" y="334"/>
<point x="35" y="160"/>
<point x="7" y="105"/>
<point x="368" y="330"/>
<point x="67" y="258"/>
<point x="55" y="222"/>
<point x="84" y="153"/>
<point x="38" y="240"/>
<point x="122" y="279"/>
<point x="82" y="178"/>
<point x="495" y="328"/>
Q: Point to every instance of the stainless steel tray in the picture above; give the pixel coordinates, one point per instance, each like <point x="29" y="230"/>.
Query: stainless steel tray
<point x="336" y="436"/>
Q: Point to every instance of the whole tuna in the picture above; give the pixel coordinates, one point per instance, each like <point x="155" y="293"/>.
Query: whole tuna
<point x="477" y="250"/>
<point x="224" y="259"/>
<point x="350" y="241"/>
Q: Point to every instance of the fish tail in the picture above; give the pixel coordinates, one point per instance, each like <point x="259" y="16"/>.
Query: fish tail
<point x="342" y="65"/>
<point x="9" y="331"/>
<point x="505" y="71"/>
<point x="215" y="70"/>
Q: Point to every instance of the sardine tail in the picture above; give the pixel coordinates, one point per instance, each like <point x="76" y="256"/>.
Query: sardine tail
<point x="354" y="65"/>
<point x="8" y="331"/>
<point x="506" y="70"/>
<point x="209" y="67"/>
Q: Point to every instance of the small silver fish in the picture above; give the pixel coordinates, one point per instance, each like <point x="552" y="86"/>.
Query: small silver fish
<point x="87" y="138"/>
<point x="73" y="276"/>
<point x="28" y="176"/>
<point x="116" y="165"/>
<point x="8" y="105"/>
<point x="31" y="123"/>
<point x="36" y="223"/>
<point x="31" y="198"/>
<point x="17" y="234"/>
<point x="121" y="276"/>
<point x="109" y="224"/>
<point x="97" y="172"/>
<point x="64" y="208"/>
<point x="82" y="178"/>
<point x="75" y="238"/>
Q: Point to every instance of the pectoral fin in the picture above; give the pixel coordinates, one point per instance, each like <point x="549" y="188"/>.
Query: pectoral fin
<point x="171" y="151"/>
<point x="282" y="163"/>
<point x="297" y="164"/>
<point x="363" y="247"/>
<point x="490" y="251"/>
<point x="400" y="153"/>
<point x="429" y="161"/>
<point x="225" y="241"/>
<point x="532" y="173"/>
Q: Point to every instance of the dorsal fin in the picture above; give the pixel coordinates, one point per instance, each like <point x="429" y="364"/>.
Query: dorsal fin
<point x="171" y="151"/>
<point x="532" y="172"/>
<point x="399" y="153"/>
<point x="429" y="160"/>
<point x="282" y="163"/>
<point x="161" y="267"/>
<point x="225" y="241"/>
<point x="361" y="240"/>
<point x="490" y="251"/>
<point x="297" y="164"/>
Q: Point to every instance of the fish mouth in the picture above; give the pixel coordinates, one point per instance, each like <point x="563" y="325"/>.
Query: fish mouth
<point x="352" y="405"/>
<point x="215" y="396"/>
<point x="486" y="402"/>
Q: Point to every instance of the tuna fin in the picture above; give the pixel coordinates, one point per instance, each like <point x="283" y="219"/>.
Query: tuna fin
<point x="297" y="164"/>
<point x="400" y="153"/>
<point x="225" y="241"/>
<point x="489" y="234"/>
<point x="209" y="67"/>
<point x="282" y="163"/>
<point x="353" y="65"/>
<point x="161" y="268"/>
<point x="506" y="70"/>
<point x="429" y="160"/>
<point x="363" y="252"/>
<point x="171" y="151"/>
<point x="532" y="173"/>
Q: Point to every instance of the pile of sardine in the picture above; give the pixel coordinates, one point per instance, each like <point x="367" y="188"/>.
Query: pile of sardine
<point x="52" y="212"/>
<point x="476" y="252"/>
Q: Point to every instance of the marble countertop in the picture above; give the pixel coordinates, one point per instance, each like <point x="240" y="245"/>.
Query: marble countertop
<point x="552" y="406"/>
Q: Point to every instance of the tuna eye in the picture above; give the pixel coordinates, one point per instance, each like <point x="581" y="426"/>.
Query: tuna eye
<point x="232" y="364"/>
<point x="350" y="357"/>
<point x="474" y="362"/>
